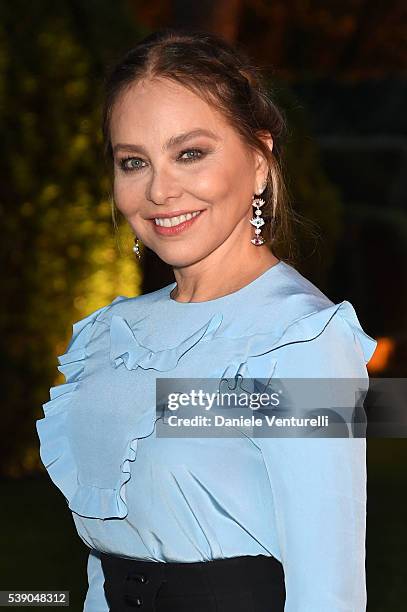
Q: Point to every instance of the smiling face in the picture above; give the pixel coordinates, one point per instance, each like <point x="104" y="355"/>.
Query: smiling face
<point x="175" y="153"/>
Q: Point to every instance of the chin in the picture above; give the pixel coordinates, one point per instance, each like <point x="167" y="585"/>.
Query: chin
<point x="180" y="260"/>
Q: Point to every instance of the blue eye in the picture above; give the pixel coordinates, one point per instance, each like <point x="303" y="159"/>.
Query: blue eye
<point x="191" y="155"/>
<point x="135" y="164"/>
<point x="128" y="164"/>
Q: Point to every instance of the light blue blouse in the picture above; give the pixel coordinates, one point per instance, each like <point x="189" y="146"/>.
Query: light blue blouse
<point x="133" y="494"/>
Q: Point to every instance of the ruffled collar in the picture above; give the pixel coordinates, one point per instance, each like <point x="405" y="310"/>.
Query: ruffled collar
<point x="125" y="347"/>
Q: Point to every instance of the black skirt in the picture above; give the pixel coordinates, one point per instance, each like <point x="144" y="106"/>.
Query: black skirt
<point x="234" y="584"/>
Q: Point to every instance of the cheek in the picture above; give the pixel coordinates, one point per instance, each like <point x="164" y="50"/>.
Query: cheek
<point x="216" y="181"/>
<point x="128" y="194"/>
<point x="224" y="185"/>
<point x="210" y="185"/>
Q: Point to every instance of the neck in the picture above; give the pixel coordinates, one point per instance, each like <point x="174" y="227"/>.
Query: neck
<point x="221" y="273"/>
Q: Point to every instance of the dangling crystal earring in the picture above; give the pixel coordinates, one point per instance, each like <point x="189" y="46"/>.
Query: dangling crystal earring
<point x="136" y="248"/>
<point x="257" y="221"/>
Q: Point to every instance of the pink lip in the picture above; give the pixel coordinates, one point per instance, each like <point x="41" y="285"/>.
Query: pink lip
<point x="177" y="229"/>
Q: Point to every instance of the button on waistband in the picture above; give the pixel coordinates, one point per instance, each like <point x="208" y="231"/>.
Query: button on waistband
<point x="134" y="601"/>
<point x="141" y="578"/>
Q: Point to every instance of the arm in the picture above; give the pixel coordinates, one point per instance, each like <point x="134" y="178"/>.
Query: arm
<point x="319" y="491"/>
<point x="95" y="600"/>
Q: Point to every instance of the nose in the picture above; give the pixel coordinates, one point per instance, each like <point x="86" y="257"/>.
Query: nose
<point x="162" y="187"/>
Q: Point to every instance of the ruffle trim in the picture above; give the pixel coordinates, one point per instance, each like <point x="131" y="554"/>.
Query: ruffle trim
<point x="55" y="450"/>
<point x="305" y="329"/>
<point x="126" y="348"/>
<point x="56" y="454"/>
<point x="95" y="502"/>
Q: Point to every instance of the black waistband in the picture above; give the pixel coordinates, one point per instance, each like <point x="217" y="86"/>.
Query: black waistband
<point x="131" y="580"/>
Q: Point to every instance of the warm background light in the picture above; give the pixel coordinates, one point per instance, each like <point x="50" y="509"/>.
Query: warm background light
<point x="382" y="355"/>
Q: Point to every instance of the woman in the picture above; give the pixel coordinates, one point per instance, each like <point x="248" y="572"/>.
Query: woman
<point x="243" y="522"/>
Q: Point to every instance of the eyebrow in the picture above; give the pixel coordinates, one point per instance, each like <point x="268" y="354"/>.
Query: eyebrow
<point x="172" y="142"/>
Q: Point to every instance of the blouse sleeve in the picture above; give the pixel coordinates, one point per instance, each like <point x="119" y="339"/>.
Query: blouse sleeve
<point x="95" y="600"/>
<point x="319" y="491"/>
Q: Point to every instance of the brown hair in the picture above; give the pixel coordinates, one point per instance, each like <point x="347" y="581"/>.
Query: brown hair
<point x="225" y="78"/>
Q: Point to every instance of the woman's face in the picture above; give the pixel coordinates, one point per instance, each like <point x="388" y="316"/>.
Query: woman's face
<point x="174" y="154"/>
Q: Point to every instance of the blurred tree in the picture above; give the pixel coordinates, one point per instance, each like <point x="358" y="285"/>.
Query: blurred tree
<point x="58" y="246"/>
<point x="300" y="38"/>
<point x="343" y="39"/>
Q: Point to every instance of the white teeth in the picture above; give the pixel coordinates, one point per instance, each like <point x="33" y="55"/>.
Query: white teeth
<point x="172" y="221"/>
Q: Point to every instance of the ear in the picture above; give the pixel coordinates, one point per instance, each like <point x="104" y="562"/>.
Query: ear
<point x="261" y="163"/>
